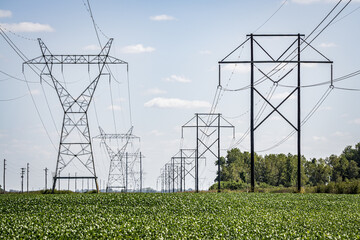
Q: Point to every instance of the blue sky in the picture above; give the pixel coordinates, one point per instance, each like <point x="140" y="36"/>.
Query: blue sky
<point x="172" y="48"/>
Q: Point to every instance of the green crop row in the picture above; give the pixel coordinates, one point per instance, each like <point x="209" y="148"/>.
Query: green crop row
<point x="180" y="216"/>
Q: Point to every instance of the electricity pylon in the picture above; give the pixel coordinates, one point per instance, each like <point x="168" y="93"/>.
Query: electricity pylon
<point x="118" y="170"/>
<point x="208" y="125"/>
<point x="75" y="141"/>
<point x="260" y="57"/>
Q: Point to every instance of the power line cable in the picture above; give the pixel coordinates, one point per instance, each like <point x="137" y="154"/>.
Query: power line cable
<point x="307" y="117"/>
<point x="13" y="99"/>
<point x="284" y="2"/>
<point x="24" y="58"/>
<point x="15" y="78"/>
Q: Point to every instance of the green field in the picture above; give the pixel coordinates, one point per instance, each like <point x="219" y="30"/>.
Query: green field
<point x="180" y="215"/>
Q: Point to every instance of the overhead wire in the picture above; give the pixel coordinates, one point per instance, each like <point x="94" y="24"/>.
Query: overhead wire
<point x="276" y="69"/>
<point x="307" y="117"/>
<point x="272" y="15"/>
<point x="15" y="78"/>
<point x="24" y="58"/>
<point x="14" y="98"/>
<point x="247" y="132"/>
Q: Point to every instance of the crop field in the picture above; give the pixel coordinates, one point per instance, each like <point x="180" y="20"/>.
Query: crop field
<point x="180" y="215"/>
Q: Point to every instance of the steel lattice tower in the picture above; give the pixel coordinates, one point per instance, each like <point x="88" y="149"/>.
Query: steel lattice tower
<point x="75" y="141"/>
<point x="118" y="170"/>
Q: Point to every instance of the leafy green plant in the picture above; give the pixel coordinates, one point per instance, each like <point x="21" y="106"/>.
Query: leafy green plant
<point x="229" y="215"/>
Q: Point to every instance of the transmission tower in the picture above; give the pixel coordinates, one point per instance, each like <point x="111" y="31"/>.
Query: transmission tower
<point x="292" y="55"/>
<point x="75" y="141"/>
<point x="118" y="177"/>
<point x="207" y="124"/>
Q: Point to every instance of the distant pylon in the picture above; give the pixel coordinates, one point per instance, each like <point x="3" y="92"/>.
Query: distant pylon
<point x="118" y="171"/>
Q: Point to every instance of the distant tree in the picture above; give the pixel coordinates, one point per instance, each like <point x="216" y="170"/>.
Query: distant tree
<point x="281" y="169"/>
<point x="339" y="167"/>
<point x="317" y="171"/>
<point x="352" y="171"/>
<point x="352" y="153"/>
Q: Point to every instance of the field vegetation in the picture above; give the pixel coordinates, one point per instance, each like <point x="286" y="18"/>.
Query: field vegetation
<point x="180" y="215"/>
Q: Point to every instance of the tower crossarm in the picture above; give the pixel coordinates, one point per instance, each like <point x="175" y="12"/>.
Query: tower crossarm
<point x="75" y="59"/>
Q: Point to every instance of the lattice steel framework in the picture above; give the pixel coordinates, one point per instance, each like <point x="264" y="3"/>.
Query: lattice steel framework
<point x="298" y="44"/>
<point x="75" y="141"/>
<point x="203" y="122"/>
<point x="119" y="159"/>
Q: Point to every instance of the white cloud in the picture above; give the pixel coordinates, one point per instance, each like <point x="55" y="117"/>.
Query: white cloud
<point x="120" y="99"/>
<point x="283" y="96"/>
<point x="340" y="134"/>
<point x="328" y="108"/>
<point x="138" y="48"/>
<point x="316" y="1"/>
<point x="309" y="65"/>
<point x="205" y="52"/>
<point x="276" y="118"/>
<point x="5" y="13"/>
<point x="156" y="133"/>
<point x="35" y="92"/>
<point x="27" y="27"/>
<point x="114" y="107"/>
<point x="162" y="17"/>
<point x="175" y="78"/>
<point x="155" y="91"/>
<point x="238" y="68"/>
<point x="355" y="121"/>
<point x="316" y="138"/>
<point x="176" y="103"/>
<point x="327" y="45"/>
<point x="92" y="47"/>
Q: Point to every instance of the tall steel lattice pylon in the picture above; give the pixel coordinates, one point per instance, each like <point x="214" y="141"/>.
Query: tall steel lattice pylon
<point x="75" y="141"/>
<point x="119" y="160"/>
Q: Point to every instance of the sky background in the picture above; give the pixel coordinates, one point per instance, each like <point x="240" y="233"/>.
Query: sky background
<point x="173" y="49"/>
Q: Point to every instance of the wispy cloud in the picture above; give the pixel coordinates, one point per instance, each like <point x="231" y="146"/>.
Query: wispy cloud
<point x="176" y="103"/>
<point x="27" y="27"/>
<point x="341" y="134"/>
<point x="156" y="133"/>
<point x="35" y="92"/>
<point x="310" y="1"/>
<point x="205" y="52"/>
<point x="327" y="45"/>
<point x="283" y="95"/>
<point x="138" y="48"/>
<point x="355" y="121"/>
<point x="155" y="91"/>
<point x="239" y="68"/>
<point x="175" y="78"/>
<point x="317" y="138"/>
<point x="162" y="17"/>
<point x="316" y="1"/>
<point x="5" y="13"/>
<point x="92" y="47"/>
<point x="114" y="107"/>
<point x="309" y="65"/>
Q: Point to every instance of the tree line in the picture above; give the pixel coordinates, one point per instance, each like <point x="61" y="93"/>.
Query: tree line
<point x="281" y="169"/>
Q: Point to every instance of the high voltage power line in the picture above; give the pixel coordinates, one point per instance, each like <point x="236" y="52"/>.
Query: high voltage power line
<point x="278" y="69"/>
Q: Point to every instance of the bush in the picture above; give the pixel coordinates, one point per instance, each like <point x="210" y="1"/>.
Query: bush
<point x="350" y="187"/>
<point x="230" y="185"/>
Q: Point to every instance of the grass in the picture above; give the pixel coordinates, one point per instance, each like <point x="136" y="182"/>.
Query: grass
<point x="180" y="215"/>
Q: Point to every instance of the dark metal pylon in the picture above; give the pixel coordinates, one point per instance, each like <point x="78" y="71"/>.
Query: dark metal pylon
<point x="203" y="123"/>
<point x="75" y="122"/>
<point x="282" y="59"/>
